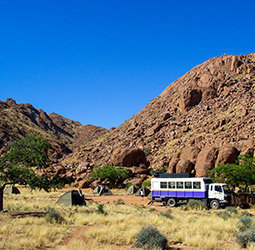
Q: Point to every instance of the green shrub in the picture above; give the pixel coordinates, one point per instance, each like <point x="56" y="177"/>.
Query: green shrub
<point x="100" y="209"/>
<point x="146" y="183"/>
<point x="112" y="174"/>
<point x="245" y="223"/>
<point x="54" y="217"/>
<point x="151" y="210"/>
<point x="119" y="202"/>
<point x="224" y="215"/>
<point x="231" y="210"/>
<point x="149" y="238"/>
<point x="246" y="237"/>
<point x="196" y="205"/>
<point x="167" y="214"/>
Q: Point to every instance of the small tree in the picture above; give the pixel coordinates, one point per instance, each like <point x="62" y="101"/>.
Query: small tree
<point x="240" y="174"/>
<point x="26" y="163"/>
<point x="112" y="174"/>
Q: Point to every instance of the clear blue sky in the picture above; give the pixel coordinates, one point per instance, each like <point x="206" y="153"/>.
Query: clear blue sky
<point x="100" y="62"/>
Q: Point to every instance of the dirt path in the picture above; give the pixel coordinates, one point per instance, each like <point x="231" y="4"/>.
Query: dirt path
<point x="79" y="234"/>
<point x="129" y="199"/>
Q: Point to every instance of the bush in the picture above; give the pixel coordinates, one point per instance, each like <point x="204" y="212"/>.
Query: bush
<point x="119" y="202"/>
<point x="167" y="214"/>
<point x="100" y="209"/>
<point x="245" y="223"/>
<point x="54" y="217"/>
<point x="151" y="210"/>
<point x="224" y="215"/>
<point x="196" y="205"/>
<point x="150" y="237"/>
<point x="112" y="174"/>
<point x="231" y="210"/>
<point x="246" y="237"/>
<point x="146" y="183"/>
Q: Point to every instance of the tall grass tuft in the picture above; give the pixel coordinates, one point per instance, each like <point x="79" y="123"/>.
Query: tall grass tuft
<point x="54" y="217"/>
<point x="196" y="205"/>
<point x="167" y="214"/>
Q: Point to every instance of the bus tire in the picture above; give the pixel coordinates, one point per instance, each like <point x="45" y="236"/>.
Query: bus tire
<point x="214" y="204"/>
<point x="171" y="202"/>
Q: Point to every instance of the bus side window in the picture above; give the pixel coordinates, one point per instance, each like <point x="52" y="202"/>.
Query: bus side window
<point x="188" y="185"/>
<point x="196" y="185"/>
<point x="179" y="184"/>
<point x="171" y="184"/>
<point x="163" y="184"/>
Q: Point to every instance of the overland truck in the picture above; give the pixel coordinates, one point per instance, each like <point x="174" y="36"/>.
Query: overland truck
<point x="173" y="189"/>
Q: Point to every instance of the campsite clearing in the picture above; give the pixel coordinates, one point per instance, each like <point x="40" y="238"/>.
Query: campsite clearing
<point x="30" y="223"/>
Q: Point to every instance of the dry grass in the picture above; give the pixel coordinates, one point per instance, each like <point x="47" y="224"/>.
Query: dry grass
<point x="117" y="229"/>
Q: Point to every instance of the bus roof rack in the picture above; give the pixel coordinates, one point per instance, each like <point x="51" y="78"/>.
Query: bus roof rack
<point x="165" y="175"/>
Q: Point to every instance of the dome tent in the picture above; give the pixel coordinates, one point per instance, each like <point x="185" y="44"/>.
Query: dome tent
<point x="132" y="189"/>
<point x="71" y="198"/>
<point x="11" y="190"/>
<point x="102" y="190"/>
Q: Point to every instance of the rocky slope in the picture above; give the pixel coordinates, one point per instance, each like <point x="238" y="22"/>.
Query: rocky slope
<point x="18" y="120"/>
<point x="203" y="118"/>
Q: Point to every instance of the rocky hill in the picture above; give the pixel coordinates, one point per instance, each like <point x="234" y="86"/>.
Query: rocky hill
<point x="18" y="120"/>
<point x="203" y="118"/>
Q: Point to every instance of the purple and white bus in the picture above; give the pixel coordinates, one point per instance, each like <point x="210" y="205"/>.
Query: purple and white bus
<point x="172" y="189"/>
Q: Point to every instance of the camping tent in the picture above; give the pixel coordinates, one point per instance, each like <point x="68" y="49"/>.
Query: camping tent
<point x="71" y="198"/>
<point x="146" y="191"/>
<point x="132" y="189"/>
<point x="11" y="190"/>
<point x="102" y="190"/>
<point x="149" y="196"/>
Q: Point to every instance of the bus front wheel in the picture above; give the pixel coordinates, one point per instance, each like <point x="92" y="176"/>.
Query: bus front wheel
<point x="215" y="204"/>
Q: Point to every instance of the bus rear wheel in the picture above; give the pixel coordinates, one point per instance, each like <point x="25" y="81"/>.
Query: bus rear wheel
<point x="171" y="202"/>
<point x="215" y="204"/>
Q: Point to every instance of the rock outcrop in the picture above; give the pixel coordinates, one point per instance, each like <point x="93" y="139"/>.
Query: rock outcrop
<point x="128" y="157"/>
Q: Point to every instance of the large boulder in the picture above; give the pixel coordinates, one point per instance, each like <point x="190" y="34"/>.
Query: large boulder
<point x="134" y="181"/>
<point x="190" y="153"/>
<point x="227" y="154"/>
<point x="128" y="157"/>
<point x="189" y="99"/>
<point x="172" y="165"/>
<point x="184" y="166"/>
<point x="206" y="160"/>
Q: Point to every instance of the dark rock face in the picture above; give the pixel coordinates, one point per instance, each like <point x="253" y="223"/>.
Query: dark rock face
<point x="190" y="98"/>
<point x="128" y="157"/>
